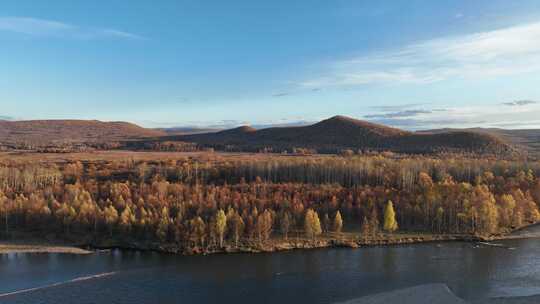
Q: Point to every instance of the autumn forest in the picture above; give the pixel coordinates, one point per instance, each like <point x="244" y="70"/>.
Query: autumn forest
<point x="210" y="201"/>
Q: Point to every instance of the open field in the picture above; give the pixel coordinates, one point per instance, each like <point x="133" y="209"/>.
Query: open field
<point x="126" y="155"/>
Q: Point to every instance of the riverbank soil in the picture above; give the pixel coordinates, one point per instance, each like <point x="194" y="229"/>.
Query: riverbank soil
<point x="38" y="246"/>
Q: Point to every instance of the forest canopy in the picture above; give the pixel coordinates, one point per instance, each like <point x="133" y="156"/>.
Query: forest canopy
<point x="214" y="202"/>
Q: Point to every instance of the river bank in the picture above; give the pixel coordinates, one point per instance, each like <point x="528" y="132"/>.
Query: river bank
<point x="32" y="244"/>
<point x="280" y="244"/>
<point x="37" y="246"/>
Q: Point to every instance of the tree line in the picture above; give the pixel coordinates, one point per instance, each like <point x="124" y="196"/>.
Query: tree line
<point x="209" y="203"/>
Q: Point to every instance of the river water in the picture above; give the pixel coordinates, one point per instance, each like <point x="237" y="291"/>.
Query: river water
<point x="309" y="276"/>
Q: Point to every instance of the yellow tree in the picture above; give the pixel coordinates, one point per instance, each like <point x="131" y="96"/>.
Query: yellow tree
<point x="390" y="223"/>
<point x="312" y="224"/>
<point x="127" y="218"/>
<point x="507" y="206"/>
<point x="221" y="225"/>
<point x="111" y="217"/>
<point x="338" y="223"/>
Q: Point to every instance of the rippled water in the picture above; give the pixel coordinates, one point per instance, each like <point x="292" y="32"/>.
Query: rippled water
<point x="313" y="276"/>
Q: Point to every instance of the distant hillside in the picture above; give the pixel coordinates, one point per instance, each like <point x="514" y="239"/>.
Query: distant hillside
<point x="37" y="133"/>
<point x="186" y="130"/>
<point x="339" y="133"/>
<point x="328" y="136"/>
<point x="525" y="139"/>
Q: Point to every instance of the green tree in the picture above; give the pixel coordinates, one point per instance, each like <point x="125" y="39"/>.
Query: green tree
<point x="390" y="223"/>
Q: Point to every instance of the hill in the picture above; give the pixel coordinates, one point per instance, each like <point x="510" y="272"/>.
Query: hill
<point x="525" y="139"/>
<point x="42" y="133"/>
<point x="339" y="133"/>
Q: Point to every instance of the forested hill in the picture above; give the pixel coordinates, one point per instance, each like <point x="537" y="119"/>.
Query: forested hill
<point x="39" y="133"/>
<point x="526" y="139"/>
<point x="340" y="133"/>
<point x="332" y="135"/>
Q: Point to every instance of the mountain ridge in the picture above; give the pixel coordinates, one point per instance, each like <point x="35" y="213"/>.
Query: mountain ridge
<point x="331" y="135"/>
<point x="47" y="132"/>
<point x="340" y="132"/>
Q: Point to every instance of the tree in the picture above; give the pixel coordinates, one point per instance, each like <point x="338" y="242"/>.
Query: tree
<point x="263" y="226"/>
<point x="111" y="217"/>
<point x="221" y="225"/>
<point x="285" y="224"/>
<point x="127" y="218"/>
<point x="439" y="217"/>
<point x="326" y="223"/>
<point x="237" y="226"/>
<point x="365" y="230"/>
<point x="374" y="222"/>
<point x="4" y="208"/>
<point x="507" y="206"/>
<point x="338" y="222"/>
<point x="67" y="214"/>
<point x="198" y="230"/>
<point x="163" y="224"/>
<point x="312" y="224"/>
<point x="488" y="215"/>
<point x="390" y="223"/>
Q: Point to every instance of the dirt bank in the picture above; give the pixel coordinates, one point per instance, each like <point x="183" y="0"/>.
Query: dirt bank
<point x="38" y="247"/>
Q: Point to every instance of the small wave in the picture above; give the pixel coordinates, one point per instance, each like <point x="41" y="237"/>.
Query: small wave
<point x="79" y="279"/>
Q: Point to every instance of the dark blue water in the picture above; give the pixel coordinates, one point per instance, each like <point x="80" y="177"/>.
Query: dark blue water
<point x="313" y="276"/>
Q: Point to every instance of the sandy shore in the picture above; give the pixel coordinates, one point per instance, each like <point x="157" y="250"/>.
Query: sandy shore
<point x="433" y="293"/>
<point x="513" y="300"/>
<point x="422" y="294"/>
<point x="38" y="247"/>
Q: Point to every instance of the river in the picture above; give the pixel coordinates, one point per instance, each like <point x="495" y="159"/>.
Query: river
<point x="303" y="276"/>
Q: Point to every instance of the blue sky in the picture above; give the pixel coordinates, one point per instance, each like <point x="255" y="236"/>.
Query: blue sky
<point x="411" y="64"/>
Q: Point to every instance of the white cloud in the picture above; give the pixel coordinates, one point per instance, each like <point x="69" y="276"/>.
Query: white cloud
<point x="519" y="114"/>
<point x="49" y="28"/>
<point x="501" y="52"/>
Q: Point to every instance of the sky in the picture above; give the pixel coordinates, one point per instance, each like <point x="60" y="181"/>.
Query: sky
<point x="413" y="64"/>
